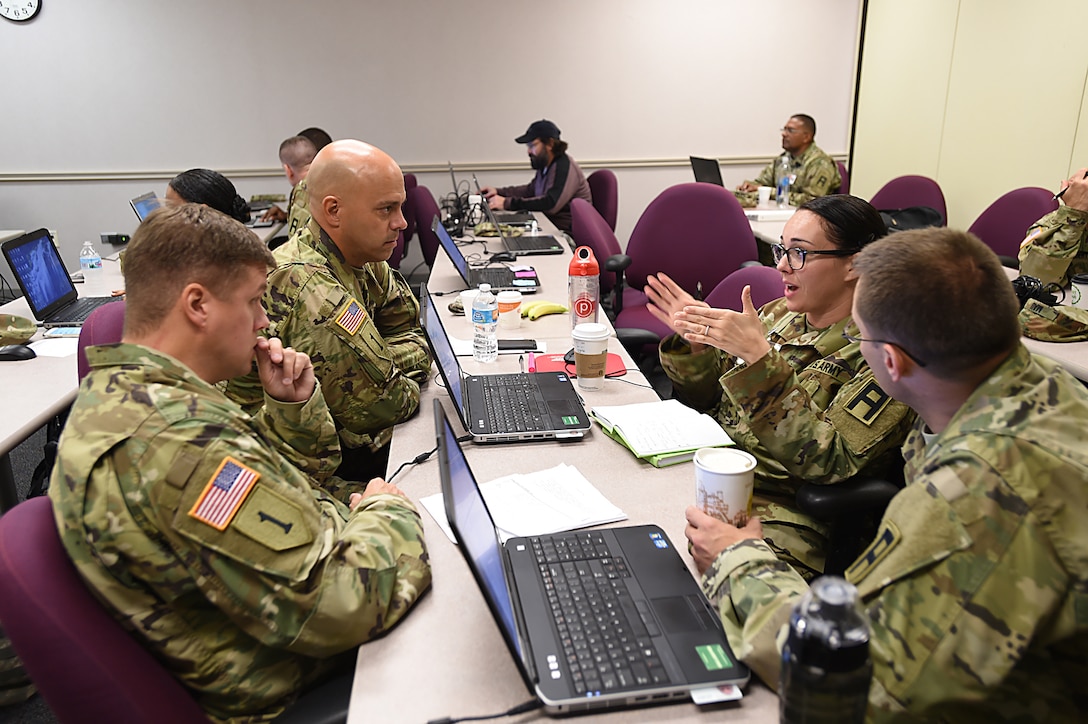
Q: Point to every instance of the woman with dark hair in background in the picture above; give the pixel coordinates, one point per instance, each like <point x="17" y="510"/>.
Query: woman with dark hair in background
<point x="788" y="382"/>
<point x="211" y="188"/>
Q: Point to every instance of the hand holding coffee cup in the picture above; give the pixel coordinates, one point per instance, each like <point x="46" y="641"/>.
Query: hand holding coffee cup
<point x="724" y="481"/>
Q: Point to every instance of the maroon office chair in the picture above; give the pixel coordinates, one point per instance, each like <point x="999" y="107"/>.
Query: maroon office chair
<point x="844" y="178"/>
<point x="85" y="665"/>
<point x="425" y="209"/>
<point x="694" y="232"/>
<point x="105" y="325"/>
<point x="395" y="258"/>
<point x="408" y="208"/>
<point x="605" y="191"/>
<point x="904" y="191"/>
<point x="590" y="229"/>
<point x="1004" y="223"/>
<point x="765" y="281"/>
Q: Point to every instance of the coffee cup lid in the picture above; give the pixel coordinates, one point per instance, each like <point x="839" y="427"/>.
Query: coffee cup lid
<point x="590" y="330"/>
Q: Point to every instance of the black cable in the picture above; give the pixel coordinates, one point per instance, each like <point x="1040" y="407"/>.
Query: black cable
<point x="519" y="709"/>
<point x="422" y="457"/>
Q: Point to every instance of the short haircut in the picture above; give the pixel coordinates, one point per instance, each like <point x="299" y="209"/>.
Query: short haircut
<point x="318" y="137"/>
<point x="849" y="222"/>
<point x="297" y="152"/>
<point x="211" y="188"/>
<point x="180" y="244"/>
<point x="942" y="294"/>
<point x="807" y="121"/>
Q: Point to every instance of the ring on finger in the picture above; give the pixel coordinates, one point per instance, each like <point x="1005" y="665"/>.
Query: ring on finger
<point x="706" y="332"/>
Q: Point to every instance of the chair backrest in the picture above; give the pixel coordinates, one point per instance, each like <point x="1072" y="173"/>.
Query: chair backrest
<point x="844" y="176"/>
<point x="765" y="281"/>
<point x="589" y="229"/>
<point x="105" y="325"/>
<point x="1004" y="223"/>
<point x="605" y="190"/>
<point x="425" y="208"/>
<point x="84" y="663"/>
<point x="695" y="233"/>
<point x="904" y="191"/>
<point x="398" y="251"/>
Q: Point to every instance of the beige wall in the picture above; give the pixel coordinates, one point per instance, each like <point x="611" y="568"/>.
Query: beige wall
<point x="984" y="96"/>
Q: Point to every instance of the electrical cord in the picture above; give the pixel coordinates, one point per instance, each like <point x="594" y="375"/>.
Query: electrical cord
<point x="519" y="709"/>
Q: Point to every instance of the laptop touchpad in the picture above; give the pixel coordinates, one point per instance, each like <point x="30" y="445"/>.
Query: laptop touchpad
<point x="562" y="408"/>
<point x="677" y="615"/>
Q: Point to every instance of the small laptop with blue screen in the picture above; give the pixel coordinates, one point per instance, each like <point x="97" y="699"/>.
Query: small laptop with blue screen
<point x="602" y="618"/>
<point x="144" y="204"/>
<point x="46" y="285"/>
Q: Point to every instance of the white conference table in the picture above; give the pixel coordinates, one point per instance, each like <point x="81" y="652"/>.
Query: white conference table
<point x="37" y="390"/>
<point x="1073" y="356"/>
<point x="447" y="657"/>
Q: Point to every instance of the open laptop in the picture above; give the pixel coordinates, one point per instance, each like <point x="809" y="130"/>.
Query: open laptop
<point x="706" y="170"/>
<point x="658" y="637"/>
<point x="504" y="407"/>
<point x="53" y="299"/>
<point x="144" y="204"/>
<point x="500" y="278"/>
<point x="521" y="245"/>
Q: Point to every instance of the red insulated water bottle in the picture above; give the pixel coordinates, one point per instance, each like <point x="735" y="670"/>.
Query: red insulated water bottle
<point x="583" y="286"/>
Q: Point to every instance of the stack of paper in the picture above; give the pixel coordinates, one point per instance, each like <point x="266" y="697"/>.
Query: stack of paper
<point x="548" y="501"/>
<point x="661" y="433"/>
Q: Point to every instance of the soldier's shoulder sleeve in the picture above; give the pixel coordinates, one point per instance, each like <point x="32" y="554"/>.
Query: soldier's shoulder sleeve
<point x="1053" y="244"/>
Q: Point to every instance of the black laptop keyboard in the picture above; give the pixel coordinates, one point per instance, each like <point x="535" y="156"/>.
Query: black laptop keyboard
<point x="511" y="404"/>
<point x="78" y="310"/>
<point x="604" y="632"/>
<point x="535" y="242"/>
<point x="495" y="276"/>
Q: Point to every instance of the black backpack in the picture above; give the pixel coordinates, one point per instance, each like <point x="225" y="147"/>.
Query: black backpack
<point x="912" y="217"/>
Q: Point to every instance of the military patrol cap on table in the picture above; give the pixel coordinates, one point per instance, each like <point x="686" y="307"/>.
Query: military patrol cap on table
<point x="1053" y="324"/>
<point x="16" y="330"/>
<point x="543" y="129"/>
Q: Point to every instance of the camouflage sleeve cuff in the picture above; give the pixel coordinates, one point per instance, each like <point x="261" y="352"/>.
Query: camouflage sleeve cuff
<point x="307" y="429"/>
<point x="1068" y="213"/>
<point x="747" y="553"/>
<point x="747" y="386"/>
<point x="694" y="374"/>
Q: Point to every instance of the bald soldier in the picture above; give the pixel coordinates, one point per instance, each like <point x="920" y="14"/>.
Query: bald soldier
<point x="203" y="529"/>
<point x="333" y="296"/>
<point x="976" y="585"/>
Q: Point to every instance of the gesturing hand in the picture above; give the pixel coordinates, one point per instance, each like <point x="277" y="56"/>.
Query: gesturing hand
<point x="286" y="374"/>
<point x="740" y="334"/>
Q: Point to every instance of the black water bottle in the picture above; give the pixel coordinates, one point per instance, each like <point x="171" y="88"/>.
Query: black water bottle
<point x="826" y="668"/>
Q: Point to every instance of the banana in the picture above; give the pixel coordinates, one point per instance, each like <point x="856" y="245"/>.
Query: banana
<point x="540" y="310"/>
<point x="527" y="307"/>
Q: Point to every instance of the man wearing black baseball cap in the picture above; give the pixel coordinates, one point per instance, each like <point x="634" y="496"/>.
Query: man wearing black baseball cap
<point x="558" y="178"/>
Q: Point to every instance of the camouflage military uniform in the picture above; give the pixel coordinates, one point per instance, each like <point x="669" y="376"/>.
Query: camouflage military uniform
<point x="360" y="328"/>
<point x="809" y="411"/>
<point x="817" y="175"/>
<point x="1056" y="246"/>
<point x="250" y="602"/>
<point x="976" y="585"/>
<point x="298" y="208"/>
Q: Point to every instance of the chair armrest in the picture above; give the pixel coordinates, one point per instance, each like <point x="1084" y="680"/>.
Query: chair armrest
<point x="617" y="262"/>
<point x="634" y="339"/>
<point x="850" y="497"/>
<point x="1010" y="261"/>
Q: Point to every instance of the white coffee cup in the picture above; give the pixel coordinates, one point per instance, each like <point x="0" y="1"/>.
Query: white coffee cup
<point x="765" y="195"/>
<point x="724" y="480"/>
<point x="1078" y="291"/>
<point x="509" y="309"/>
<point x="590" y="354"/>
<point x="467" y="297"/>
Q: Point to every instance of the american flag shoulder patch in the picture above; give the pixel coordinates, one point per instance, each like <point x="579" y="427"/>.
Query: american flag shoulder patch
<point x="224" y="493"/>
<point x="350" y="317"/>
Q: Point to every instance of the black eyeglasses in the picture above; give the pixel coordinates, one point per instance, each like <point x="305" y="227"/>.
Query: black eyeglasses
<point x="859" y="340"/>
<point x="795" y="256"/>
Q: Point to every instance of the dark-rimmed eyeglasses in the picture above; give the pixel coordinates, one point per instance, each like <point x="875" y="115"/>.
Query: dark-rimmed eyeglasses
<point x="791" y="131"/>
<point x="859" y="340"/>
<point x="795" y="256"/>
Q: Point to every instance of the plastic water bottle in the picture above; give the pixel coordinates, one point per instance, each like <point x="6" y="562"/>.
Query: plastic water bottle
<point x="485" y="319"/>
<point x="583" y="287"/>
<point x="89" y="258"/>
<point x="784" y="177"/>
<point x="826" y="668"/>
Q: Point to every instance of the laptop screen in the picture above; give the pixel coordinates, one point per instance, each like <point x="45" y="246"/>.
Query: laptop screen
<point x="450" y="246"/>
<point x="36" y="264"/>
<point x="145" y="204"/>
<point x="443" y="350"/>
<point x="706" y="170"/>
<point x="475" y="528"/>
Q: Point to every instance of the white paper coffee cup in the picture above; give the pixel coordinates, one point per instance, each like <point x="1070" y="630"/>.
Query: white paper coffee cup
<point x="1078" y="291"/>
<point x="590" y="354"/>
<point x="724" y="480"/>
<point x="765" y="195"/>
<point x="509" y="309"/>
